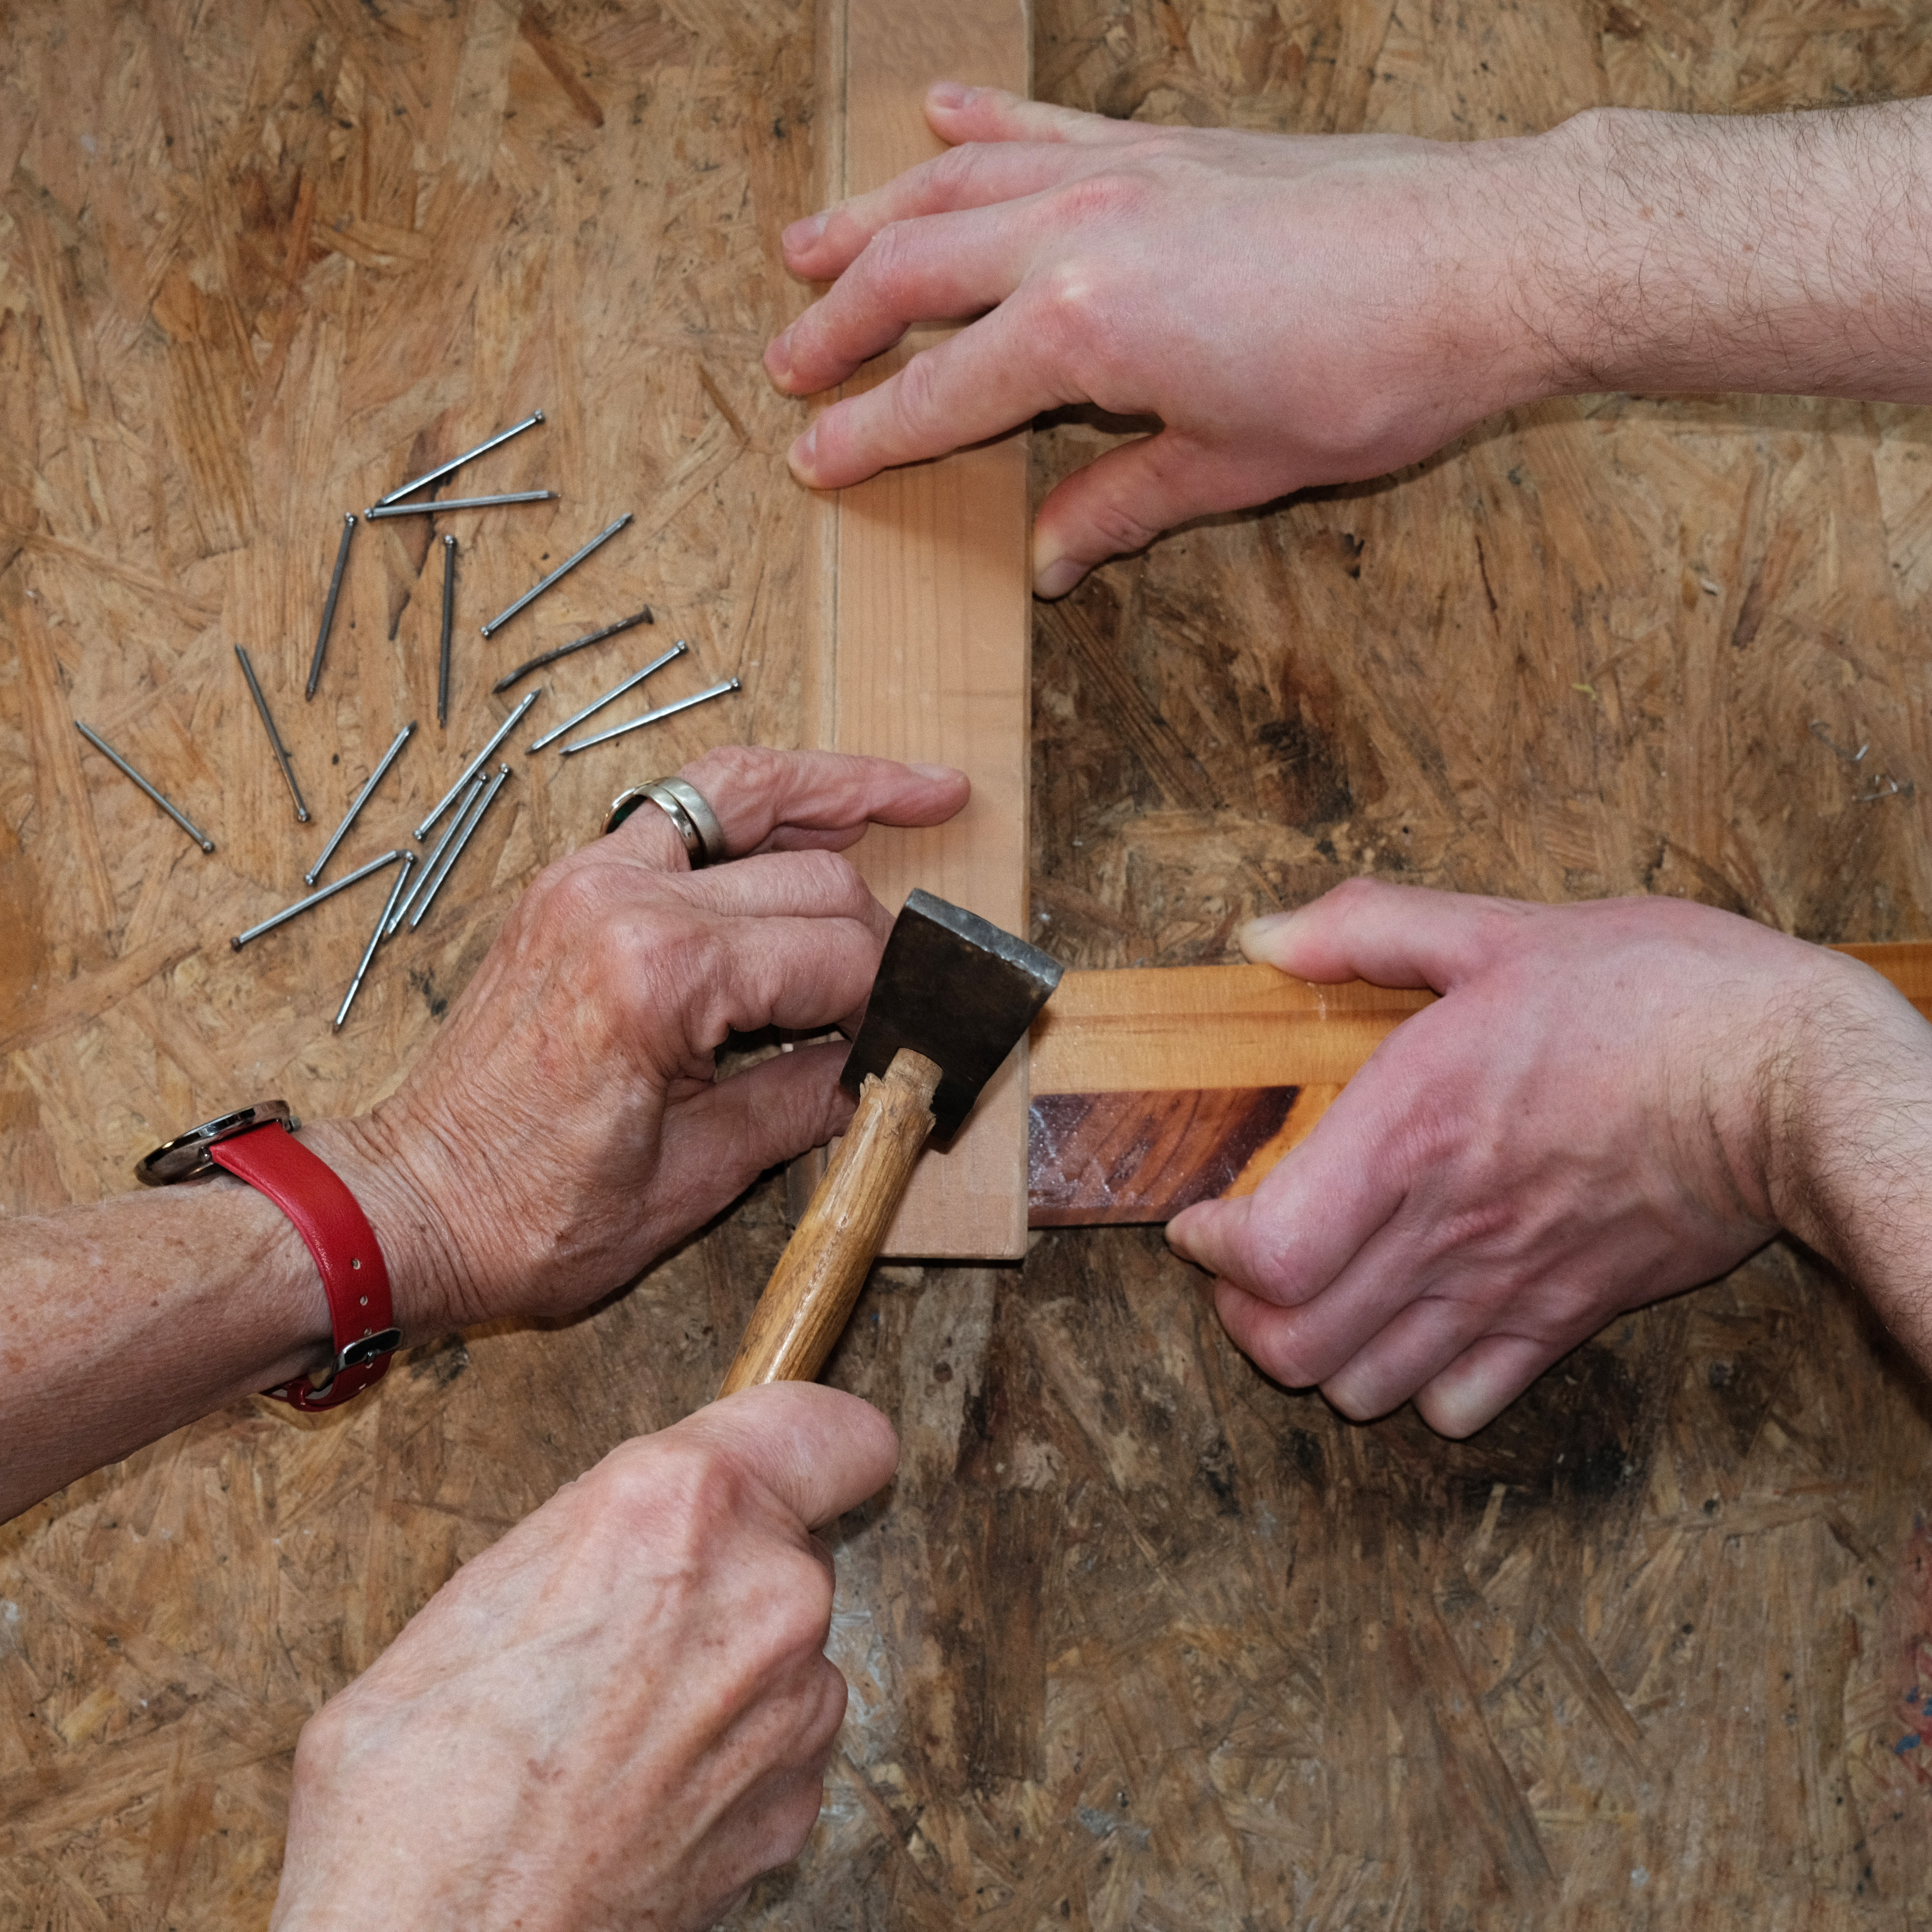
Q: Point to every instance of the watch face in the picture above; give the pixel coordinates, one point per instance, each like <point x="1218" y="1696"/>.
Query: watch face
<point x="186" y="1157"/>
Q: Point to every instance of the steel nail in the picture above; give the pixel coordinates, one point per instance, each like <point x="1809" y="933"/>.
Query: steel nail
<point x="174" y="811"/>
<point x="328" y="608"/>
<point x="375" y="941"/>
<point x="616" y="690"/>
<point x="448" y="616"/>
<point x="443" y="470"/>
<point x="449" y="831"/>
<point x="523" y="671"/>
<point x="274" y="737"/>
<point x="386" y="508"/>
<point x="731" y="684"/>
<point x="418" y="912"/>
<point x="360" y="798"/>
<point x="562" y="570"/>
<point x="477" y="764"/>
<point x="342" y="884"/>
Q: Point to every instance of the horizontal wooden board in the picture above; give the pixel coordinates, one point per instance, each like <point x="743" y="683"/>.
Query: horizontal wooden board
<point x="1154" y="1087"/>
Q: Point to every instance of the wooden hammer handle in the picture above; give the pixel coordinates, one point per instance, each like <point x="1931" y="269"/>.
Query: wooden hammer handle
<point x="806" y="1303"/>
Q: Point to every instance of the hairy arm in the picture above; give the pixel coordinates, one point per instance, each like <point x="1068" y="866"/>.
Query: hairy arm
<point x="1786" y="254"/>
<point x="1847" y="1141"/>
<point x="1306" y="310"/>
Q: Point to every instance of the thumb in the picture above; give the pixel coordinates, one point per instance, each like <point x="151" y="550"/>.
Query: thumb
<point x="818" y="1451"/>
<point x="1388" y="935"/>
<point x="1120" y="502"/>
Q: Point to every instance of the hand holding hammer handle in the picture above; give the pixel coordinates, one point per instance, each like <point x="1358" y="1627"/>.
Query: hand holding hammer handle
<point x="809" y="1297"/>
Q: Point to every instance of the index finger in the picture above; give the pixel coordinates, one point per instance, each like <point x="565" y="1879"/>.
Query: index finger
<point x="772" y="801"/>
<point x="769" y="801"/>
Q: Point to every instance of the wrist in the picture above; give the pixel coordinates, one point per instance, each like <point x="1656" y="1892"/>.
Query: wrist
<point x="1770" y="253"/>
<point x="419" y="1247"/>
<point x="1847" y="1135"/>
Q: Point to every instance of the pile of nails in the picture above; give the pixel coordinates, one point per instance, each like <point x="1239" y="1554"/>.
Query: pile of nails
<point x="475" y="790"/>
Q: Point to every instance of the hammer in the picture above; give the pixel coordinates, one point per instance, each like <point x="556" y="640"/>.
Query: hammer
<point x="952" y="995"/>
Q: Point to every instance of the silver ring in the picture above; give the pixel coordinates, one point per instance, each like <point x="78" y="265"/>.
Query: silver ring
<point x="685" y="806"/>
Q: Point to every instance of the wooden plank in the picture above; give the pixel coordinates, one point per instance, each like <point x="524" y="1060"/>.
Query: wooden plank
<point x="1154" y="1087"/>
<point x="926" y="604"/>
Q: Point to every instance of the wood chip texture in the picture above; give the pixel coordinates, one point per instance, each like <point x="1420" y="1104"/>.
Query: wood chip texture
<point x="1135" y="1638"/>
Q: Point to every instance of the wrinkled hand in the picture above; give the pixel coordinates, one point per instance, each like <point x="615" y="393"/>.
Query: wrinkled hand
<point x="1589" y="1118"/>
<point x="1295" y="310"/>
<point x="565" y="1125"/>
<point x="619" y="1714"/>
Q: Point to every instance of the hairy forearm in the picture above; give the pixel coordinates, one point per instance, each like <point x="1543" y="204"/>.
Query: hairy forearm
<point x="1787" y="253"/>
<point x="126" y="1319"/>
<point x="1849" y="1111"/>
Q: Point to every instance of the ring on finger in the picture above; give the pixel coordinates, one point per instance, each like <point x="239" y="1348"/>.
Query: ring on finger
<point x="691" y="816"/>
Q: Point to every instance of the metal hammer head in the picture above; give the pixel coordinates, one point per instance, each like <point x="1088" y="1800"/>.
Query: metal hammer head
<point x="954" y="987"/>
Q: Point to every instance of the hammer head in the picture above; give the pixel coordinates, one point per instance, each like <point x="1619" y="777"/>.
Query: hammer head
<point x="954" y="987"/>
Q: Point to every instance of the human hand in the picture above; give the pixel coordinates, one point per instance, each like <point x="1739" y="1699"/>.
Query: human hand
<point x="565" y="1125"/>
<point x="1596" y="1114"/>
<point x="618" y="1715"/>
<point x="1295" y="310"/>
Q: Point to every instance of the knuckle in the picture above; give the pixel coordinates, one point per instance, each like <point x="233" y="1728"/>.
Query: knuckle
<point x="1357" y="895"/>
<point x="732" y="768"/>
<point x="952" y="173"/>
<point x="887" y="259"/>
<point x="676" y="1492"/>
<point x="1276" y="1354"/>
<point x="798" y="1616"/>
<point x="570" y="894"/>
<point x="1109" y="196"/>
<point x="1115" y="525"/>
<point x="833" y="878"/>
<point x="916" y="398"/>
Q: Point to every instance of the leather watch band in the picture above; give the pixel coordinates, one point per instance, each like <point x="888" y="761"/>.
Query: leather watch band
<point x="339" y="1236"/>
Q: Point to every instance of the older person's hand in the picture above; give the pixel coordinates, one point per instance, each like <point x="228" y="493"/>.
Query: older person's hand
<point x="1611" y="1101"/>
<point x="619" y="1715"/>
<point x="565" y="1125"/>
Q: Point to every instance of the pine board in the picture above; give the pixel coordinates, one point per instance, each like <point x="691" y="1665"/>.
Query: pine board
<point x="925" y="610"/>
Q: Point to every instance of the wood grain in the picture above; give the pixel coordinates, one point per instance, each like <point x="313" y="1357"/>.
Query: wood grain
<point x="927" y="611"/>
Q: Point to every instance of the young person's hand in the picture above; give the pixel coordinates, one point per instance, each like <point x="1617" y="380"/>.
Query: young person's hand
<point x="1611" y="1101"/>
<point x="1305" y="310"/>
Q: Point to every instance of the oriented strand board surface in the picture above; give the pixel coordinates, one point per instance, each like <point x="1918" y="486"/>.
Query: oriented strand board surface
<point x="1135" y="1638"/>
<point x="929" y="615"/>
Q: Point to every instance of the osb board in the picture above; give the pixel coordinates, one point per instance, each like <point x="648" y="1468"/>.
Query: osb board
<point x="927" y="616"/>
<point x="1135" y="1638"/>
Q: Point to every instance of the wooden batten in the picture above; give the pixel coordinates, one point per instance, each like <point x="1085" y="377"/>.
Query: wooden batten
<point x="1154" y="1087"/>
<point x="924" y="606"/>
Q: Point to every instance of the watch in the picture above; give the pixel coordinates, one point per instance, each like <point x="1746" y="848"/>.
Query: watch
<point x="258" y="1144"/>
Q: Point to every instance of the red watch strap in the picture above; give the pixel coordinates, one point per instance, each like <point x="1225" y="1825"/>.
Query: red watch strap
<point x="339" y="1236"/>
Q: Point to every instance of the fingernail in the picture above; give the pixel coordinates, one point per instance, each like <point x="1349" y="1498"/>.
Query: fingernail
<point x="803" y="232"/>
<point x="802" y="455"/>
<point x="935" y="771"/>
<point x="1177" y="1239"/>
<point x="777" y="358"/>
<point x="949" y="93"/>
<point x="1262" y="940"/>
<point x="1057" y="578"/>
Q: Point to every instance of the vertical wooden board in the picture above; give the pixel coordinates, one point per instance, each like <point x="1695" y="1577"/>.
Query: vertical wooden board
<point x="929" y="656"/>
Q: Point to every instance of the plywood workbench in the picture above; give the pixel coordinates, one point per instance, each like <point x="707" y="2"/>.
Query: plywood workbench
<point x="1135" y="1638"/>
